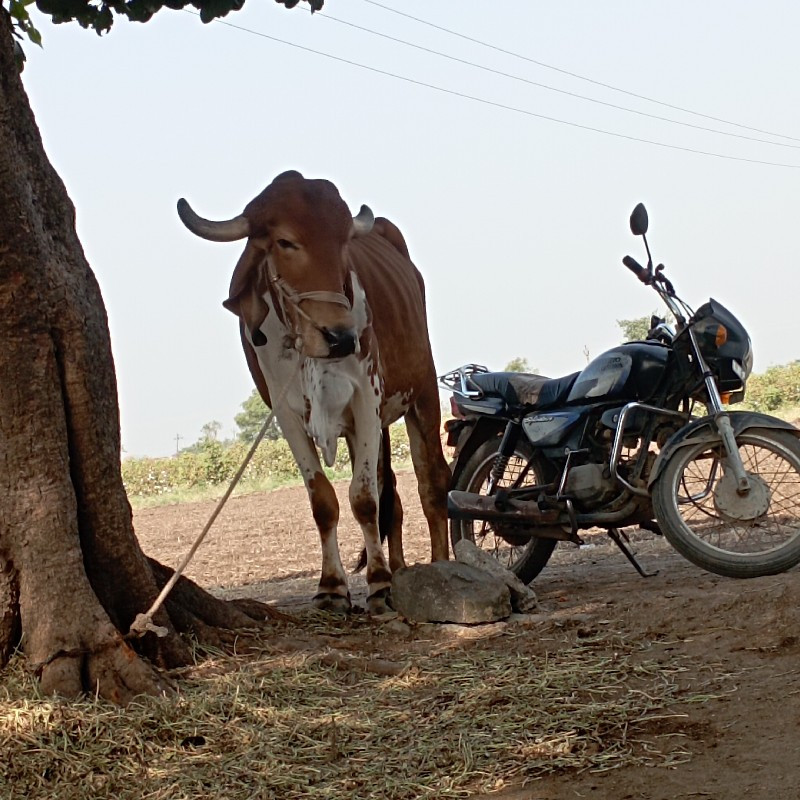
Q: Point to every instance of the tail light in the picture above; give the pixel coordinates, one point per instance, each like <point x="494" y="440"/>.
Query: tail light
<point x="454" y="409"/>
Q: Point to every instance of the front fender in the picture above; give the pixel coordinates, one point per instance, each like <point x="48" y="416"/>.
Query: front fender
<point x="703" y="430"/>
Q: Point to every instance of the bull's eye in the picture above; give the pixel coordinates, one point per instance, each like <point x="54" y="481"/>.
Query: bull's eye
<point x="285" y="244"/>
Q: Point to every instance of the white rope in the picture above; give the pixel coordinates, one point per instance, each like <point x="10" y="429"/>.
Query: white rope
<point x="144" y="622"/>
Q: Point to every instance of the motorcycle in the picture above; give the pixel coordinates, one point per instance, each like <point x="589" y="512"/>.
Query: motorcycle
<point x="642" y="436"/>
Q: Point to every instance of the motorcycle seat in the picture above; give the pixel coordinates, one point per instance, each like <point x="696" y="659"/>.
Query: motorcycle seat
<point x="522" y="389"/>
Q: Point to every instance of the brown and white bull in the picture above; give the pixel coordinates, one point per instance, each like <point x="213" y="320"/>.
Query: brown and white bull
<point x="332" y="317"/>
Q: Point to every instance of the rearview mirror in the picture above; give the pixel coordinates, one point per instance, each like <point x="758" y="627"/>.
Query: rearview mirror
<point x="639" y="220"/>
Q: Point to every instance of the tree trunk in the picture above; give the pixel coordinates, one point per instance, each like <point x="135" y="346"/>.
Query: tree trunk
<point x="72" y="575"/>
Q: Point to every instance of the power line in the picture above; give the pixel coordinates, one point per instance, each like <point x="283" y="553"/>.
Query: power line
<point x="553" y="88"/>
<point x="576" y="75"/>
<point x="503" y="106"/>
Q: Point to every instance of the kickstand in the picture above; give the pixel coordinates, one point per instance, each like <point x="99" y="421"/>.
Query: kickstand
<point x="617" y="537"/>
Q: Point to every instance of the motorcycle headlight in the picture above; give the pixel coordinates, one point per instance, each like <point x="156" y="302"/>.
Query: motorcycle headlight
<point x="712" y="333"/>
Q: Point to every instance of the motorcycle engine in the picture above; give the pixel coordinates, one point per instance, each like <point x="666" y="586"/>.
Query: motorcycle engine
<point x="590" y="483"/>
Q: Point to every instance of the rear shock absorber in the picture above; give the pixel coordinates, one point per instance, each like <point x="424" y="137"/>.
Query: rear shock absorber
<point x="504" y="453"/>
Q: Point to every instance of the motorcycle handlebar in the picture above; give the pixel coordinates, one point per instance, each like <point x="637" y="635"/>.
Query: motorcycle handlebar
<point x="636" y="268"/>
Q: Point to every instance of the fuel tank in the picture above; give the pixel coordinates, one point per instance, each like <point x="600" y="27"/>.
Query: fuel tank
<point x="632" y="371"/>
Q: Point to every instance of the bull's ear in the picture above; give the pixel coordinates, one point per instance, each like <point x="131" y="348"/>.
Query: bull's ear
<point x="246" y="295"/>
<point x="252" y="310"/>
<point x="244" y="275"/>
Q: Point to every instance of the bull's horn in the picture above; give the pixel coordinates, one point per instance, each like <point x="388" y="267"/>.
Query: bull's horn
<point x="362" y="224"/>
<point x="228" y="231"/>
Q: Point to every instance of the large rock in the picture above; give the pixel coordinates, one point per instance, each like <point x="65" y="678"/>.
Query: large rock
<point x="449" y="591"/>
<point x="523" y="598"/>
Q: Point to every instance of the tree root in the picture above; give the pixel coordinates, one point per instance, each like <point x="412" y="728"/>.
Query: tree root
<point x="230" y="614"/>
<point x="107" y="667"/>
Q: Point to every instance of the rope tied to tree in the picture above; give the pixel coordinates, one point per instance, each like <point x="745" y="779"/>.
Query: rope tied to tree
<point x="143" y="623"/>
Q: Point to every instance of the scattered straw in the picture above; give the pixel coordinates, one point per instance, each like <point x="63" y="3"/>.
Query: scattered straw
<point x="288" y="725"/>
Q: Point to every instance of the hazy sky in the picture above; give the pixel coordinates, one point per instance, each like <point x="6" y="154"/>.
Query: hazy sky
<point x="517" y="222"/>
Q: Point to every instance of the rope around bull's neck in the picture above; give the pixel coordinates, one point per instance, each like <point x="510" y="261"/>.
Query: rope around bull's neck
<point x="144" y="622"/>
<point x="288" y="295"/>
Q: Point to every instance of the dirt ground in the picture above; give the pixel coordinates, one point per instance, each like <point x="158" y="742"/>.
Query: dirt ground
<point x="743" y="744"/>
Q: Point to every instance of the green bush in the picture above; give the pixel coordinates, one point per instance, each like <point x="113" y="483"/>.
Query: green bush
<point x="216" y="464"/>
<point x="779" y="386"/>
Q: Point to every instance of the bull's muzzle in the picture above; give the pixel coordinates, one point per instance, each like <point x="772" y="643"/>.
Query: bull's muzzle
<point x="341" y="341"/>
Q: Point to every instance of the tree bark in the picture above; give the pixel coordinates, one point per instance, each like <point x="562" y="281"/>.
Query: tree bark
<point x="72" y="575"/>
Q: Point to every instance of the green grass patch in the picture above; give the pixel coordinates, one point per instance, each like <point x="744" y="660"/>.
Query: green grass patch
<point x="205" y="492"/>
<point x="206" y="473"/>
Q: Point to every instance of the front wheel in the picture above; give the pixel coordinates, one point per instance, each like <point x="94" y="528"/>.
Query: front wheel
<point x="511" y="545"/>
<point x="705" y="520"/>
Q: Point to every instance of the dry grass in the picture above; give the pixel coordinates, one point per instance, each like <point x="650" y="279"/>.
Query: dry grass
<point x="462" y="717"/>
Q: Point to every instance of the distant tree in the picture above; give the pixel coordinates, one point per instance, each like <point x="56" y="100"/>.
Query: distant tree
<point x="252" y="417"/>
<point x="209" y="436"/>
<point x="634" y="330"/>
<point x="210" y="431"/>
<point x="518" y="364"/>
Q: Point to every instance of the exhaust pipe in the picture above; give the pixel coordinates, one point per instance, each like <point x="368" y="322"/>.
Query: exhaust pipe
<point x="469" y="506"/>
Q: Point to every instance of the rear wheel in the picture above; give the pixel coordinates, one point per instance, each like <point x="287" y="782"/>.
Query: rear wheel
<point x="509" y="544"/>
<point x="705" y="520"/>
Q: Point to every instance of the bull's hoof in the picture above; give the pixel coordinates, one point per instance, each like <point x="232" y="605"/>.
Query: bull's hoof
<point x="332" y="603"/>
<point x="380" y="602"/>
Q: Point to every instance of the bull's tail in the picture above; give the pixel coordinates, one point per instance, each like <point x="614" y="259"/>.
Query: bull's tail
<point x="386" y="500"/>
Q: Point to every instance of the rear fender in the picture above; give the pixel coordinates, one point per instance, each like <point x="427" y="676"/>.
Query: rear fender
<point x="702" y="430"/>
<point x="484" y="429"/>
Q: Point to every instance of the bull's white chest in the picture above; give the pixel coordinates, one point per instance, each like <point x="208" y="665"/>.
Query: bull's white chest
<point x="341" y="397"/>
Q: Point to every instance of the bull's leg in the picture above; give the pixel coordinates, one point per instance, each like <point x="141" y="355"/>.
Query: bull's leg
<point x="365" y="449"/>
<point x="396" y="557"/>
<point x="423" y="422"/>
<point x="332" y="594"/>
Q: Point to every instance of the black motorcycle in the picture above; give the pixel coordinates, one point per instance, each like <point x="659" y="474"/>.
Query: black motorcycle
<point x="621" y="443"/>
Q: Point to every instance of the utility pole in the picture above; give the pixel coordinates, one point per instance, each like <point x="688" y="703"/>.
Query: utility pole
<point x="178" y="438"/>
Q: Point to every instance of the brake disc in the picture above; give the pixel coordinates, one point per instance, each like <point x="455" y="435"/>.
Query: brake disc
<point x="737" y="507"/>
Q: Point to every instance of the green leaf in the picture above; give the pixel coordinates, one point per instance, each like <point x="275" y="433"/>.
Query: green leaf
<point x="22" y="22"/>
<point x="18" y="11"/>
